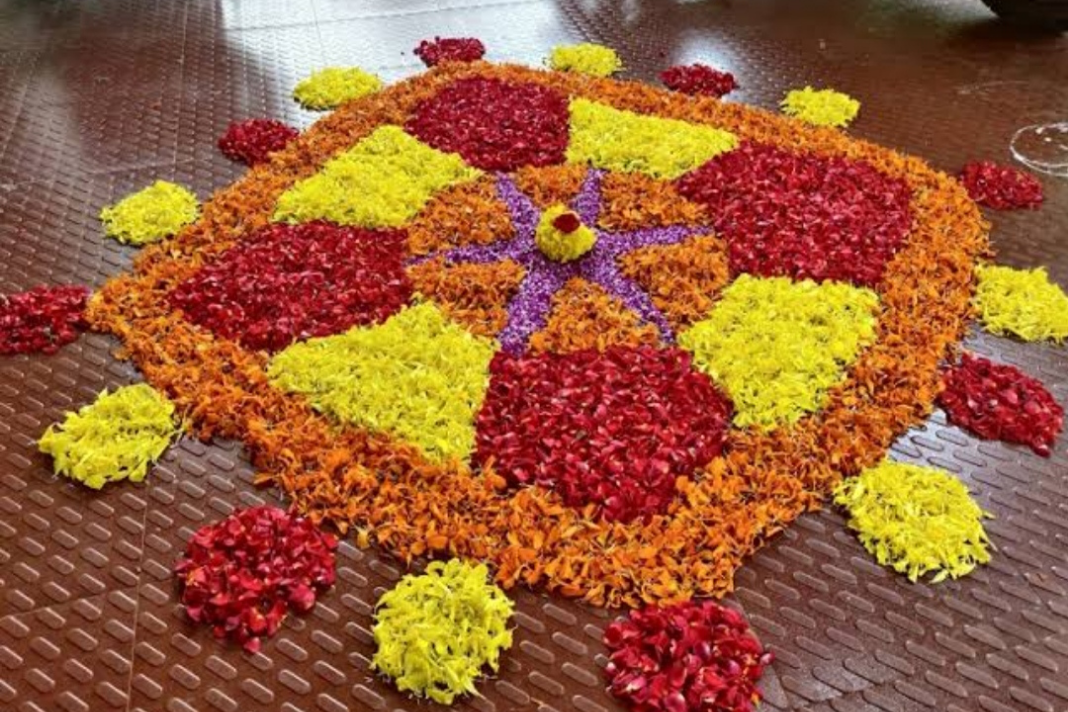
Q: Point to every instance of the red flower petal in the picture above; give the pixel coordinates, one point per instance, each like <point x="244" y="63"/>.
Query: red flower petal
<point x="1001" y="187"/>
<point x="253" y="141"/>
<point x="698" y="79"/>
<point x="42" y="319"/>
<point x="567" y="222"/>
<point x="450" y="49"/>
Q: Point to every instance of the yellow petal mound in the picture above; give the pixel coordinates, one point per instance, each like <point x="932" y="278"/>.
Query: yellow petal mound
<point x="823" y="107"/>
<point x="617" y="140"/>
<point x="383" y="181"/>
<point x="435" y="632"/>
<point x="115" y="438"/>
<point x="776" y="345"/>
<point x="417" y="376"/>
<point x="1020" y="302"/>
<point x="563" y="245"/>
<point x="916" y="520"/>
<point x="331" y="87"/>
<point x="586" y="58"/>
<point x="151" y="214"/>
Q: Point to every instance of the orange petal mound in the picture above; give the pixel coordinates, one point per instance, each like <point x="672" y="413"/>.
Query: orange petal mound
<point x="683" y="280"/>
<point x="411" y="506"/>
<point x="584" y="316"/>
<point x="635" y="200"/>
<point x="473" y="294"/>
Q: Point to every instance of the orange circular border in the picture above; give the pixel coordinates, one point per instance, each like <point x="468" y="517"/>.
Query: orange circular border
<point x="392" y="496"/>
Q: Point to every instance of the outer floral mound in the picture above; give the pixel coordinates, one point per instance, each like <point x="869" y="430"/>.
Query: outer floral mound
<point x="699" y="79"/>
<point x="586" y="58"/>
<point x="778" y="346"/>
<point x="364" y="478"/>
<point x="1021" y="303"/>
<point x="331" y="87"/>
<point x="42" y="319"/>
<point x="115" y="438"/>
<point x="917" y="520"/>
<point x="242" y="575"/>
<point x="690" y="657"/>
<point x="151" y="214"/>
<point x="495" y="125"/>
<point x="418" y="376"/>
<point x="824" y="107"/>
<point x="436" y="632"/>
<point x="803" y="216"/>
<point x="253" y="141"/>
<point x="450" y="49"/>
<point x="292" y="282"/>
<point x="998" y="402"/>
<point x="613" y="429"/>
<point x="1001" y="187"/>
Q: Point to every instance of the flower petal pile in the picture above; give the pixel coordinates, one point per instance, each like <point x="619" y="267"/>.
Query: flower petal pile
<point x="823" y="107"/>
<point x="253" y="141"/>
<point x="436" y="632"/>
<point x="42" y="319"/>
<point x="802" y="216"/>
<point x="999" y="402"/>
<point x="450" y="49"/>
<point x="331" y="87"/>
<point x="1001" y="187"/>
<point x="151" y="214"/>
<point x="114" y="438"/>
<point x="287" y="283"/>
<point x="243" y="574"/>
<point x="614" y="429"/>
<point x="585" y="58"/>
<point x="698" y="80"/>
<point x="689" y="657"/>
<point x="418" y="376"/>
<point x="777" y="346"/>
<point x="495" y="125"/>
<point x="1022" y="303"/>
<point x="917" y="520"/>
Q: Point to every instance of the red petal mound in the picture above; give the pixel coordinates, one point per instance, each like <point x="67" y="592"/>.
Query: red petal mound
<point x="690" y="657"/>
<point x="450" y="49"/>
<point x="1001" y="187"/>
<point x="243" y="574"/>
<point x="42" y="319"/>
<point x="786" y="214"/>
<point x="999" y="402"/>
<point x="614" y="428"/>
<point x="292" y="282"/>
<point x="698" y="79"/>
<point x="494" y="124"/>
<point x="254" y="141"/>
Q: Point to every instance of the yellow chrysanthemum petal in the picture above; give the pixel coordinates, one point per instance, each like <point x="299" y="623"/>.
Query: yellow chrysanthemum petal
<point x="151" y="214"/>
<point x="331" y="87"/>
<point x="823" y="107"/>
<point x="116" y="437"/>
<point x="562" y="246"/>
<point x="586" y="58"/>
<point x="618" y="140"/>
<point x="776" y="345"/>
<point x="916" y="520"/>
<point x="417" y="376"/>
<point x="1020" y="302"/>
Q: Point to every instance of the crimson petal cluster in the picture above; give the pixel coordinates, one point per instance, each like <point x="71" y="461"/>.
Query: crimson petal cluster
<point x="698" y="79"/>
<point x="494" y="124"/>
<point x="614" y="427"/>
<point x="253" y="141"/>
<point x="788" y="214"/>
<point x="1001" y="187"/>
<point x="42" y="319"/>
<point x="291" y="282"/>
<point x="999" y="402"/>
<point x="243" y="574"/>
<point x="689" y="657"/>
<point x="450" y="49"/>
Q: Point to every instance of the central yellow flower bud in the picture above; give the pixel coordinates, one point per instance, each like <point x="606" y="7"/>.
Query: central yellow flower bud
<point x="561" y="236"/>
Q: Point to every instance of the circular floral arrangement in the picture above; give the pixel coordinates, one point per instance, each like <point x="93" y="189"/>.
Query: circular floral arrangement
<point x="584" y="319"/>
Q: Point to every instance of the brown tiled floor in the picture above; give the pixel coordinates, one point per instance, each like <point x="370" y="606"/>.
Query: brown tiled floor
<point x="98" y="98"/>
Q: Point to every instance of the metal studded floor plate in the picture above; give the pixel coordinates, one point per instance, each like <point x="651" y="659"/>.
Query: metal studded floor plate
<point x="99" y="97"/>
